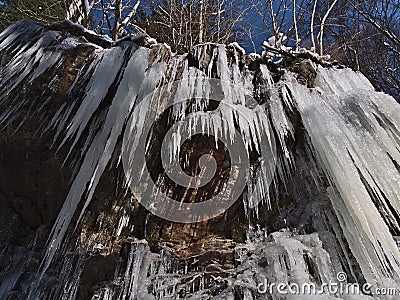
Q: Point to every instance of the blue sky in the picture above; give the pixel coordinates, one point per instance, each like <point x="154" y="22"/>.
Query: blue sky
<point x="258" y="37"/>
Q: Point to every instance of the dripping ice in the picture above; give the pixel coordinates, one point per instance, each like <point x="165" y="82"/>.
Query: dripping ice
<point x="353" y="131"/>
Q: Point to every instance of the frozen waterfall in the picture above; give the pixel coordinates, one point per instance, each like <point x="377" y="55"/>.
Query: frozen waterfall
<point x="335" y="147"/>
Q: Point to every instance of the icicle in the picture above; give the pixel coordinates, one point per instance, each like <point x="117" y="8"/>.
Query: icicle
<point x="102" y="147"/>
<point x="107" y="65"/>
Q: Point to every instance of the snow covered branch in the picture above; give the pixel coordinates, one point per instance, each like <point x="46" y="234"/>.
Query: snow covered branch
<point x="320" y="36"/>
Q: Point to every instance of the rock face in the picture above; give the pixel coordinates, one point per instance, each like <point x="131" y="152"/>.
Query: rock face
<point x="71" y="228"/>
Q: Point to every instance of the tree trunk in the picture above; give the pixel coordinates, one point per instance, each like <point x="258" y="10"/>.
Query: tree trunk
<point x="201" y="22"/>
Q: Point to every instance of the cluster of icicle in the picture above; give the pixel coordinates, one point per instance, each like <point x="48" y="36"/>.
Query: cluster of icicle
<point x="354" y="132"/>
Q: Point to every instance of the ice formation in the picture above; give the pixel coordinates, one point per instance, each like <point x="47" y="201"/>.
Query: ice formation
<point x="353" y="136"/>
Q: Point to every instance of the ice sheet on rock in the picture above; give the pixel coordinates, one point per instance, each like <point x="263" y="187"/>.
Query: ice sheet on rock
<point x="146" y="275"/>
<point x="289" y="258"/>
<point x="71" y="276"/>
<point x="359" y="153"/>
<point x="285" y="257"/>
<point x="12" y="273"/>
